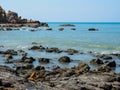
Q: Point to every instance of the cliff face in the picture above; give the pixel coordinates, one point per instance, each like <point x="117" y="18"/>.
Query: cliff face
<point x="3" y="18"/>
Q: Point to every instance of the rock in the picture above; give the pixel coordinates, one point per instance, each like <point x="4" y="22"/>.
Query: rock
<point x="44" y="60"/>
<point x="27" y="59"/>
<point x="8" y="56"/>
<point x="71" y="51"/>
<point x="111" y="64"/>
<point x="68" y="73"/>
<point x="34" y="43"/>
<point x="3" y="18"/>
<point x="105" y="57"/>
<point x="53" y="49"/>
<point x="93" y="29"/>
<point x="49" y="29"/>
<point x="23" y="67"/>
<point x="9" y="29"/>
<point x="104" y="69"/>
<point x="71" y="25"/>
<point x="96" y="62"/>
<point x="83" y="67"/>
<point x="39" y="48"/>
<point x="39" y="68"/>
<point x="64" y="59"/>
<point x="73" y="28"/>
<point x="6" y="84"/>
<point x="61" y="29"/>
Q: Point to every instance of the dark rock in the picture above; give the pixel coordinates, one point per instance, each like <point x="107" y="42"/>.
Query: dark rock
<point x="49" y="29"/>
<point x="105" y="57"/>
<point x="53" y="49"/>
<point x="73" y="28"/>
<point x="23" y="67"/>
<point x="9" y="29"/>
<point x="8" y="56"/>
<point x="34" y="43"/>
<point x="104" y="69"/>
<point x="96" y="62"/>
<point x="61" y="29"/>
<point x="71" y="25"/>
<point x="71" y="51"/>
<point x="44" y="60"/>
<point x="111" y="64"/>
<point x="64" y="59"/>
<point x="39" y="68"/>
<point x="83" y="67"/>
<point x="6" y="84"/>
<point x="93" y="29"/>
<point x="10" y="51"/>
<point x="40" y="48"/>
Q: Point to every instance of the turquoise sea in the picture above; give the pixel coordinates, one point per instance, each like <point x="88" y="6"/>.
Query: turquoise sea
<point x="106" y="40"/>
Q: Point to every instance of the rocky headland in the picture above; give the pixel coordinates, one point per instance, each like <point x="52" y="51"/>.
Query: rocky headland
<point x="12" y="19"/>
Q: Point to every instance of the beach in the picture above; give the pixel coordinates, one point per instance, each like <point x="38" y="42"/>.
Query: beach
<point x="63" y="56"/>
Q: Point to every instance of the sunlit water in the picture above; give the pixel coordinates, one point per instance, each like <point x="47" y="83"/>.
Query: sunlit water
<point x="105" y="40"/>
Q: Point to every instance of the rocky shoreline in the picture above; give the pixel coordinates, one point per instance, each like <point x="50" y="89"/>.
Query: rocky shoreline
<point x="80" y="77"/>
<point x="12" y="19"/>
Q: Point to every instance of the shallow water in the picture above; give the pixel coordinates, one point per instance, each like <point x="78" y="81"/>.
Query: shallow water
<point x="105" y="40"/>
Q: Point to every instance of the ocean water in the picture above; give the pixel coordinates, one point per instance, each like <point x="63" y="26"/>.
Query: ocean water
<point x="105" y="40"/>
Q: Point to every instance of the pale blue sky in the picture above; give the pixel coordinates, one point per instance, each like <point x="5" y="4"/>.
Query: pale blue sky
<point x="66" y="10"/>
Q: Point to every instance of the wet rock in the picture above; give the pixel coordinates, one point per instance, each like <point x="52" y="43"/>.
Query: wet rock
<point x="71" y="25"/>
<point x="105" y="57"/>
<point x="71" y="51"/>
<point x="6" y="84"/>
<point x="111" y="64"/>
<point x="56" y="67"/>
<point x="10" y="51"/>
<point x="8" y="56"/>
<point x="73" y="28"/>
<point x="9" y="29"/>
<point x="64" y="59"/>
<point x="23" y="67"/>
<point x="39" y="68"/>
<point x="53" y="49"/>
<point x="61" y="29"/>
<point x="68" y="73"/>
<point x="93" y="29"/>
<point x="48" y="28"/>
<point x="104" y="69"/>
<point x="83" y="67"/>
<point x="96" y="62"/>
<point x="39" y="48"/>
<point x="44" y="60"/>
<point x="34" y="43"/>
<point x="29" y="60"/>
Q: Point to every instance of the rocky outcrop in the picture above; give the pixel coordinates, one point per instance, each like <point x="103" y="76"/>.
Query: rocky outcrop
<point x="10" y="18"/>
